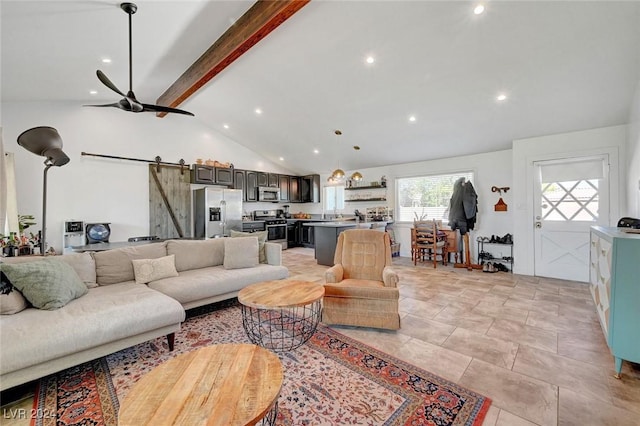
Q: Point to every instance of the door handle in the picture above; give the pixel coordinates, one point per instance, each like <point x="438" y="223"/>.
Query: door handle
<point x="538" y="225"/>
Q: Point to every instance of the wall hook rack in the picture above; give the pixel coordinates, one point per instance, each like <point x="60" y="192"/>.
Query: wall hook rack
<point x="500" y="189"/>
<point x="157" y="161"/>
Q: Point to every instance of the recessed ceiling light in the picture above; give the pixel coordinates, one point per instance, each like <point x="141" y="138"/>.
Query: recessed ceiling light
<point x="93" y="92"/>
<point x="106" y="60"/>
<point x="281" y="158"/>
<point x="315" y="151"/>
<point x="226" y="126"/>
<point x="258" y="111"/>
<point x="412" y="118"/>
<point x="501" y="97"/>
<point x="370" y="59"/>
<point x="478" y="9"/>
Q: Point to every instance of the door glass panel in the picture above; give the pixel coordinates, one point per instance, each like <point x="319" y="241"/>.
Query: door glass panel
<point x="575" y="200"/>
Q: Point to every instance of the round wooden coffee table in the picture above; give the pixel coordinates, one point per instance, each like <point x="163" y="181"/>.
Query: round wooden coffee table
<point x="281" y="315"/>
<point x="231" y="384"/>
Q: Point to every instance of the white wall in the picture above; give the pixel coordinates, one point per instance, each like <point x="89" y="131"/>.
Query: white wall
<point x="93" y="189"/>
<point x="493" y="168"/>
<point x="610" y="140"/>
<point x="633" y="158"/>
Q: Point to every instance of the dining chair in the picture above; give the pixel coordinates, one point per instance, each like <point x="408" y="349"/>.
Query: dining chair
<point x="427" y="243"/>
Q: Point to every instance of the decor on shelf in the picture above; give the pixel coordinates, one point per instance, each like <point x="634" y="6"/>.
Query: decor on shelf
<point x="500" y="206"/>
<point x="44" y="141"/>
<point x="129" y="102"/>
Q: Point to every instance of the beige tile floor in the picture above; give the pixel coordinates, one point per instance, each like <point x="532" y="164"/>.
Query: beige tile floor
<point x="533" y="345"/>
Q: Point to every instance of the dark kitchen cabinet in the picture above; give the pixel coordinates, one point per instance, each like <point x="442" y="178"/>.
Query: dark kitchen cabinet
<point x="251" y="189"/>
<point x="294" y="189"/>
<point x="310" y="189"/>
<point x="211" y="175"/>
<point x="263" y="179"/>
<point x="273" y="180"/>
<point x="240" y="182"/>
<point x="202" y="174"/>
<point x="284" y="187"/>
<point x="306" y="235"/>
<point x="224" y="176"/>
<point x="293" y="234"/>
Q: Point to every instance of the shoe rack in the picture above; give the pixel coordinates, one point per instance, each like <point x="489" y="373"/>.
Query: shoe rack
<point x="495" y="244"/>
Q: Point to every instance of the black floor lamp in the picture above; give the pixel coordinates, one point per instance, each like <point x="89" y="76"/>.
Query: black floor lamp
<point x="44" y="141"/>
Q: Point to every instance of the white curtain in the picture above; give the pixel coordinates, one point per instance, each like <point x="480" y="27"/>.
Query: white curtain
<point x="8" y="196"/>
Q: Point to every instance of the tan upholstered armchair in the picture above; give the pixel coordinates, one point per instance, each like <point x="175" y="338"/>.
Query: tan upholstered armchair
<point x="361" y="287"/>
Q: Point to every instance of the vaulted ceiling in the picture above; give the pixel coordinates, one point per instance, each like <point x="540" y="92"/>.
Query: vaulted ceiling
<point x="563" y="66"/>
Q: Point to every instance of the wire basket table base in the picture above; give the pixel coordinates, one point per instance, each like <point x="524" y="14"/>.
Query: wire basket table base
<point x="282" y="329"/>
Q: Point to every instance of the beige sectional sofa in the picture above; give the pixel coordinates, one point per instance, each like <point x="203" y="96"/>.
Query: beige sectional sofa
<point x="118" y="312"/>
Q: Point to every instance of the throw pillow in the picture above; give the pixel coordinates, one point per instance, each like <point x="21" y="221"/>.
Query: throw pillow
<point x="48" y="284"/>
<point x="240" y="253"/>
<point x="11" y="300"/>
<point x="262" y="238"/>
<point x="147" y="270"/>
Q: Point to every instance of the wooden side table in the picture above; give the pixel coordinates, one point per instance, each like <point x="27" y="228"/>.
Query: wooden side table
<point x="281" y="315"/>
<point x="231" y="384"/>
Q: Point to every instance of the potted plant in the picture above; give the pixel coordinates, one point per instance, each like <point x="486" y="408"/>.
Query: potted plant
<point x="24" y="222"/>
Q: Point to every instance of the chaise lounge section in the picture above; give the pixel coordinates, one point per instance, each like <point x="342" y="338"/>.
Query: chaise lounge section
<point x="118" y="310"/>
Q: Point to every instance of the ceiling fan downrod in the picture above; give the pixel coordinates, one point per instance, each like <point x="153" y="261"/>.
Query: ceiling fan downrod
<point x="130" y="9"/>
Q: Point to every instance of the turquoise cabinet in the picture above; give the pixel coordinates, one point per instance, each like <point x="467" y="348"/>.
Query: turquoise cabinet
<point x="615" y="287"/>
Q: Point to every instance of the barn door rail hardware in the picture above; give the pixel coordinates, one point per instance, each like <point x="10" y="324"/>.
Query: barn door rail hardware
<point x="157" y="161"/>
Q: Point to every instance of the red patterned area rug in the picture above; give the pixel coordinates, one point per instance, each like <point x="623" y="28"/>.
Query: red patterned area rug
<point x="331" y="380"/>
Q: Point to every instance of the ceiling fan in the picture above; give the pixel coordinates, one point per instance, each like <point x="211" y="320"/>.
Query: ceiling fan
<point x="129" y="102"/>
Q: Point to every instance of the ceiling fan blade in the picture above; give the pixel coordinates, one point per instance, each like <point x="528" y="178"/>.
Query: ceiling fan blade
<point x="103" y="78"/>
<point x="160" y="108"/>
<point x="115" y="104"/>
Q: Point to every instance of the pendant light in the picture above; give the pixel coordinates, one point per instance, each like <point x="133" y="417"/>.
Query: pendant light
<point x="357" y="176"/>
<point x="338" y="174"/>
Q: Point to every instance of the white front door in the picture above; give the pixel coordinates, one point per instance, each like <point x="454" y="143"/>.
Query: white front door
<point x="570" y="195"/>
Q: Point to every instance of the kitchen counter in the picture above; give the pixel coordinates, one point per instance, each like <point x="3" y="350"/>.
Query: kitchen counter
<point x="111" y="246"/>
<point x="348" y="224"/>
<point x="326" y="236"/>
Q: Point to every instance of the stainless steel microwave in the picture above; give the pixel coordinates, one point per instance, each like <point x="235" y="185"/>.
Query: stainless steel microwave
<point x="269" y="194"/>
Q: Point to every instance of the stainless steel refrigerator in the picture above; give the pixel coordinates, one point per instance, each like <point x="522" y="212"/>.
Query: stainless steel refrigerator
<point x="216" y="211"/>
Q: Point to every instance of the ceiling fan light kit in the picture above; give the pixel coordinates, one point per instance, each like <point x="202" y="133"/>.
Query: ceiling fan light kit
<point x="129" y="101"/>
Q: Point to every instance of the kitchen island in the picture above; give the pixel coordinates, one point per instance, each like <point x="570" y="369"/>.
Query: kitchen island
<point x="326" y="236"/>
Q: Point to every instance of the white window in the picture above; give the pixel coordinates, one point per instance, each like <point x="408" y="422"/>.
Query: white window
<point x="426" y="197"/>
<point x="333" y="198"/>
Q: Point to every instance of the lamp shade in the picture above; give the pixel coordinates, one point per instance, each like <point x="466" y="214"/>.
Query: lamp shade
<point x="357" y="176"/>
<point x="44" y="141"/>
<point x="338" y="174"/>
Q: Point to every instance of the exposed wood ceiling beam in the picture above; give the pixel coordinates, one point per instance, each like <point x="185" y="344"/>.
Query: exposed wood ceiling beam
<point x="263" y="17"/>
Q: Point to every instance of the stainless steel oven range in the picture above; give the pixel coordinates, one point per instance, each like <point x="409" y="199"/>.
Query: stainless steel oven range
<point x="275" y="224"/>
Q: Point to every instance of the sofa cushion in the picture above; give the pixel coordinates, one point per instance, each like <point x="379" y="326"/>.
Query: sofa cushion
<point x="196" y="254"/>
<point x="200" y="284"/>
<point x="114" y="266"/>
<point x="11" y="300"/>
<point x="146" y="270"/>
<point x="240" y="253"/>
<point x="262" y="238"/>
<point x="82" y="263"/>
<point x="49" y="284"/>
<point x="105" y="314"/>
